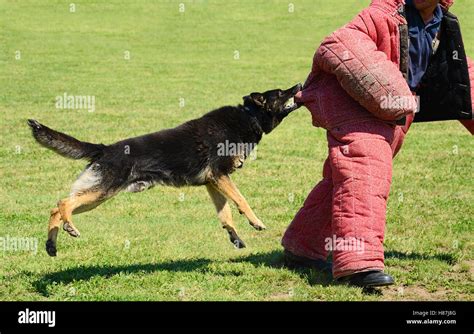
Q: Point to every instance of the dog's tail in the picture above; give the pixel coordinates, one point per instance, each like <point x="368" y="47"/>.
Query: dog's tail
<point x="63" y="144"/>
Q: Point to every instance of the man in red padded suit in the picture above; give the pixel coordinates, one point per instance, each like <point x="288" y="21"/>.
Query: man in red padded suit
<point x="362" y="89"/>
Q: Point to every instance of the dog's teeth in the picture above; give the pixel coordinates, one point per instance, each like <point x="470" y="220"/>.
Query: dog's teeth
<point x="290" y="102"/>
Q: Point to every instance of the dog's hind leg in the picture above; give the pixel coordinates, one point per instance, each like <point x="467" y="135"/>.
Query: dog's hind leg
<point x="53" y="227"/>
<point x="225" y="185"/>
<point x="86" y="193"/>
<point x="65" y="208"/>
<point x="89" y="190"/>
<point x="76" y="203"/>
<point x="225" y="215"/>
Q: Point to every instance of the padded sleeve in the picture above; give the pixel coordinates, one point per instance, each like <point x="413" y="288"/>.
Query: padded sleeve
<point x="364" y="72"/>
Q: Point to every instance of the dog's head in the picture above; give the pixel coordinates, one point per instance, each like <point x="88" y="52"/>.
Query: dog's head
<point x="272" y="106"/>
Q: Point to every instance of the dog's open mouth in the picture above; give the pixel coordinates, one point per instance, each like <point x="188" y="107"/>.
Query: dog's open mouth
<point x="290" y="105"/>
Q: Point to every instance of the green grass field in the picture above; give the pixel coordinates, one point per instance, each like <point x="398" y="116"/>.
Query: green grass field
<point x="166" y="243"/>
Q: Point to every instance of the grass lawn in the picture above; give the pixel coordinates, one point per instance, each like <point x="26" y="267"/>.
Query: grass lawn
<point x="150" y="67"/>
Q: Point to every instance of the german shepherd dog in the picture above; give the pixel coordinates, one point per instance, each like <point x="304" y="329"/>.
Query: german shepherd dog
<point x="187" y="155"/>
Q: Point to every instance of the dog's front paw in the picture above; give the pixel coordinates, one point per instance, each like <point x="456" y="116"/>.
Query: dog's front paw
<point x="73" y="232"/>
<point x="258" y="225"/>
<point x="51" y="248"/>
<point x="238" y="243"/>
<point x="234" y="238"/>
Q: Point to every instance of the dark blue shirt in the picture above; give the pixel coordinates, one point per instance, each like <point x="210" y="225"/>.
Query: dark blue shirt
<point x="421" y="41"/>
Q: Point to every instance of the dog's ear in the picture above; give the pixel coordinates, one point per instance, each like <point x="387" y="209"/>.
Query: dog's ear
<point x="258" y="99"/>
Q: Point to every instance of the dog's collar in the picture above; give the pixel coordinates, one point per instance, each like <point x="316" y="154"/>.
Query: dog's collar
<point x="251" y="111"/>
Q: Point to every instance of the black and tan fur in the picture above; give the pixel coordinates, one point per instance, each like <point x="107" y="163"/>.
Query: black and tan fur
<point x="183" y="156"/>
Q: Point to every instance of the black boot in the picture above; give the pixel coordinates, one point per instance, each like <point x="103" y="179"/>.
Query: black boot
<point x="368" y="279"/>
<point x="293" y="261"/>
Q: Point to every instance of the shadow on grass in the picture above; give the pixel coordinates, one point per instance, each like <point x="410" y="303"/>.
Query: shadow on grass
<point x="445" y="257"/>
<point x="83" y="273"/>
<point x="275" y="259"/>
